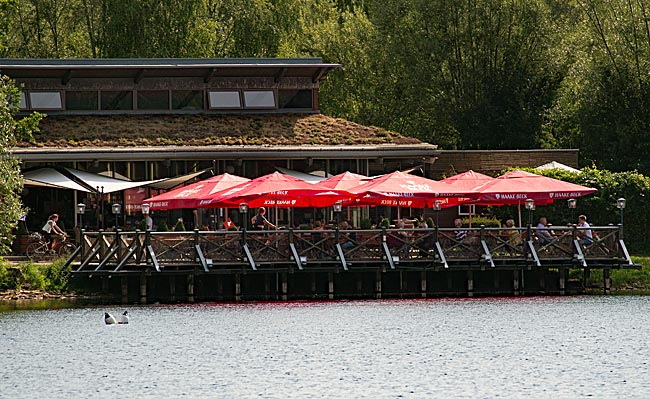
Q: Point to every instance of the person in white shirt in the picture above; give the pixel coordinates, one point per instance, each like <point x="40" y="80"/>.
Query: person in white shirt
<point x="584" y="231"/>
<point x="50" y="228"/>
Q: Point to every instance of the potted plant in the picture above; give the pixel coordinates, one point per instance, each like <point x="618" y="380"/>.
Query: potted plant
<point x="162" y="226"/>
<point x="21" y="240"/>
<point x="180" y="226"/>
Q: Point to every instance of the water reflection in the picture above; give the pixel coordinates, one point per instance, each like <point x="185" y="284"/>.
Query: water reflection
<point x="487" y="348"/>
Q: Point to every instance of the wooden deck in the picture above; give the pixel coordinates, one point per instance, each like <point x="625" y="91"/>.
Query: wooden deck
<point x="321" y="263"/>
<point x="289" y="250"/>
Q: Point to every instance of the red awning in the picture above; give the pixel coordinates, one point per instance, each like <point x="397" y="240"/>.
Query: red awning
<point x="406" y="190"/>
<point x="190" y="195"/>
<point x="276" y="190"/>
<point x="467" y="180"/>
<point x="517" y="186"/>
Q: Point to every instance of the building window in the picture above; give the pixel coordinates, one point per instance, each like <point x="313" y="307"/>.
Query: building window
<point x="45" y="100"/>
<point x="466" y="210"/>
<point x="187" y="99"/>
<point x="295" y="99"/>
<point x="259" y="99"/>
<point x="117" y="100"/>
<point x="81" y="100"/>
<point x="153" y="99"/>
<point x="23" y="100"/>
<point x="224" y="99"/>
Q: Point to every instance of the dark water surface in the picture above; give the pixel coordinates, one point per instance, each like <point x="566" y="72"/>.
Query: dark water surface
<point x="542" y="347"/>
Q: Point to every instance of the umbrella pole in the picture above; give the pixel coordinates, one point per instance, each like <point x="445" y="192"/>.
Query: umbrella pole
<point x="519" y="212"/>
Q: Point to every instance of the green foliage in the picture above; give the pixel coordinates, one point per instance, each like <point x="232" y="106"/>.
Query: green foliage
<point x="384" y="223"/>
<point x="33" y="275"/>
<point x="365" y="224"/>
<point x="7" y="279"/>
<point x="180" y="226"/>
<point x="10" y="129"/>
<point x="477" y="221"/>
<point x="162" y="226"/>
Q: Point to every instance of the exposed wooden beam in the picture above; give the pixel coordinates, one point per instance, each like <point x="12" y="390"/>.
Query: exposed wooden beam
<point x="321" y="72"/>
<point x="210" y="75"/>
<point x="66" y="77"/>
<point x="138" y="76"/>
<point x="280" y="74"/>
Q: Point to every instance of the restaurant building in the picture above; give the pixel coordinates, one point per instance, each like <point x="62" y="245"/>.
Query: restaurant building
<point x="144" y="120"/>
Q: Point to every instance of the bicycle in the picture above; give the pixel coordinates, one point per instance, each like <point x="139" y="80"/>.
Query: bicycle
<point x="39" y="249"/>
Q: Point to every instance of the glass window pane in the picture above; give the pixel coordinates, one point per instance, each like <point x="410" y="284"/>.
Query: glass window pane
<point x="23" y="100"/>
<point x="259" y="99"/>
<point x="187" y="99"/>
<point x="224" y="99"/>
<point x="81" y="100"/>
<point x="117" y="100"/>
<point x="153" y="99"/>
<point x="45" y="100"/>
<point x="295" y="99"/>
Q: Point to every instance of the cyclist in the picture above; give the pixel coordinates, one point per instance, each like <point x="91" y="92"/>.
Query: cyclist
<point x="49" y="228"/>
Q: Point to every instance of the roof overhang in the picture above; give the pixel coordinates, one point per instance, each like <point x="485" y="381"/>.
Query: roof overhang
<point x="137" y="69"/>
<point x="388" y="151"/>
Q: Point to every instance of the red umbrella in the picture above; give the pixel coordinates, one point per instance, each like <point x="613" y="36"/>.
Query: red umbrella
<point x="275" y="189"/>
<point x="343" y="181"/>
<point x="188" y="196"/>
<point x="403" y="189"/>
<point x="467" y="180"/>
<point x="517" y="186"/>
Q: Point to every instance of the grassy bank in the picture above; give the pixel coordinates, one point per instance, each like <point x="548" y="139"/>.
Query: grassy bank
<point x="46" y="277"/>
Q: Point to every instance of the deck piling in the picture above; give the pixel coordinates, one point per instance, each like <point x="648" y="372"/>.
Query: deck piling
<point x="190" y="288"/>
<point x="470" y="283"/>
<point x="143" y="288"/>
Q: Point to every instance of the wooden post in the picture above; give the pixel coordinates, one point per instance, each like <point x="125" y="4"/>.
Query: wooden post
<point x="378" y="288"/>
<point x="267" y="286"/>
<point x="143" y="289"/>
<point x="607" y="281"/>
<point x="542" y="280"/>
<point x="586" y="279"/>
<point x="402" y="284"/>
<point x="562" y="281"/>
<point x="125" y="289"/>
<point x="105" y="285"/>
<point x="423" y="284"/>
<point x="190" y="288"/>
<point x="330" y="285"/>
<point x="359" y="277"/>
<point x="285" y="286"/>
<point x="237" y="287"/>
<point x="515" y="282"/>
<point x="220" y="287"/>
<point x="313" y="285"/>
<point x="172" y="287"/>
<point x="470" y="283"/>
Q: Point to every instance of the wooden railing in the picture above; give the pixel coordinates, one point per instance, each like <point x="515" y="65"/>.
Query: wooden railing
<point x="223" y="251"/>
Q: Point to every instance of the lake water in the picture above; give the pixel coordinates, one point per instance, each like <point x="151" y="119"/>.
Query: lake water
<point x="548" y="347"/>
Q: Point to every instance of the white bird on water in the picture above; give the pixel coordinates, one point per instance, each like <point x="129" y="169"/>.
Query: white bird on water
<point x="123" y="318"/>
<point x="108" y="319"/>
<point x="120" y="319"/>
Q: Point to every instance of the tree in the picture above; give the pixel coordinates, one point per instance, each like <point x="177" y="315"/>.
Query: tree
<point x="10" y="129"/>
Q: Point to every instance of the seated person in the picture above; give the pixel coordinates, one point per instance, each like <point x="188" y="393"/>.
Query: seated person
<point x="344" y="236"/>
<point x="460" y="233"/>
<point x="260" y="222"/>
<point x="543" y="233"/>
<point x="584" y="231"/>
<point x="514" y="238"/>
<point x="400" y="238"/>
